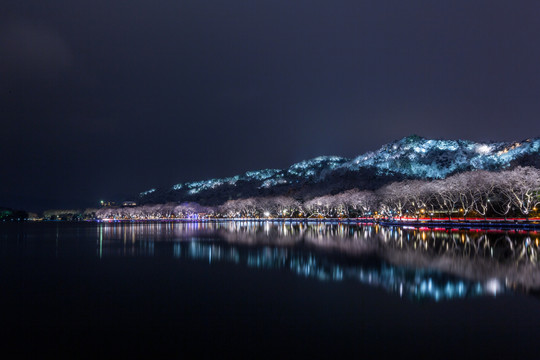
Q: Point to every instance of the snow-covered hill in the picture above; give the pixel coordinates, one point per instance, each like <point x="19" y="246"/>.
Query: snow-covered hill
<point x="416" y="156"/>
<point x="410" y="157"/>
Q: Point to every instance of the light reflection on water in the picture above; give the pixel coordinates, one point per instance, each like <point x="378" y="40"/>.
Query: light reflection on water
<point x="416" y="263"/>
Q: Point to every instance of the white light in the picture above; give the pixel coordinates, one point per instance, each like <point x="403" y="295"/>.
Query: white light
<point x="483" y="149"/>
<point x="493" y="286"/>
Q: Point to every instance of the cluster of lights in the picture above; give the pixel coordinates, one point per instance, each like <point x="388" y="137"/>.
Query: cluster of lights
<point x="309" y="168"/>
<point x="272" y="182"/>
<point x="144" y="193"/>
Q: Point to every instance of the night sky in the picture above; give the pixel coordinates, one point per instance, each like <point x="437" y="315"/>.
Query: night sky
<point x="103" y="99"/>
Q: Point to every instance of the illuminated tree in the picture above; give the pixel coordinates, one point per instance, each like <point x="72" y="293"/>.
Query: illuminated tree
<point x="522" y="186"/>
<point x="394" y="198"/>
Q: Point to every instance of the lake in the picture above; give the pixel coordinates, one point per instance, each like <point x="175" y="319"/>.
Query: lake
<point x="254" y="289"/>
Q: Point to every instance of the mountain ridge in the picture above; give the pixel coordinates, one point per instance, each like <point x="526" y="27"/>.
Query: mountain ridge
<point x="412" y="157"/>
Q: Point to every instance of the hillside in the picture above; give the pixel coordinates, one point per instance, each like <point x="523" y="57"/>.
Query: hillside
<point x="412" y="157"/>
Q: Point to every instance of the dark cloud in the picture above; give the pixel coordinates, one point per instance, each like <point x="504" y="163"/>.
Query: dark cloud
<point x="32" y="52"/>
<point x="103" y="98"/>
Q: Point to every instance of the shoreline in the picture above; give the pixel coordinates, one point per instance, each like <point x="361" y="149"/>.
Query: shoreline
<point x="442" y="225"/>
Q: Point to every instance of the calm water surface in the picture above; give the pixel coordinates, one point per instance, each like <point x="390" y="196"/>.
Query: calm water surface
<point x="267" y="289"/>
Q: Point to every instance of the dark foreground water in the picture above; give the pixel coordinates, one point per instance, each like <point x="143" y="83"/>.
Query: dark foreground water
<point x="267" y="290"/>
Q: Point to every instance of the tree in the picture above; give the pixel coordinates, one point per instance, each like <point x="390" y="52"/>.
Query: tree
<point x="522" y="186"/>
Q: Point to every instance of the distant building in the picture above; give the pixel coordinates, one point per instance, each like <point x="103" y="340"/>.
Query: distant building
<point x="104" y="203"/>
<point x="129" y="203"/>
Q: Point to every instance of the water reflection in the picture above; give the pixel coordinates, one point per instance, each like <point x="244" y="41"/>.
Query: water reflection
<point x="419" y="263"/>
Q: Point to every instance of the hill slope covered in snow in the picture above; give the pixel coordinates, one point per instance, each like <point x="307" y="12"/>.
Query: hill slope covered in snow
<point x="412" y="157"/>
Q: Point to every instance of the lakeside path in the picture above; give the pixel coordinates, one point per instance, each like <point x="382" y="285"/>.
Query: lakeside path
<point x="461" y="224"/>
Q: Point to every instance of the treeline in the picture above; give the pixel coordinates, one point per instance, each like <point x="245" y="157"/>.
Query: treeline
<point x="70" y="214"/>
<point x="7" y="214"/>
<point x="475" y="193"/>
